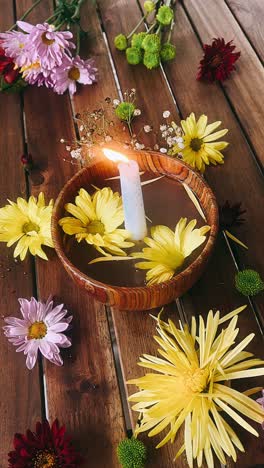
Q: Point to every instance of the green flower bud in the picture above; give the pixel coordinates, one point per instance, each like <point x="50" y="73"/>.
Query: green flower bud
<point x="134" y="55"/>
<point x="132" y="453"/>
<point x="120" y="42"/>
<point x="165" y="15"/>
<point x="151" y="60"/>
<point x="151" y="43"/>
<point x="168" y="52"/>
<point x="137" y="39"/>
<point x="125" y="111"/>
<point x="149" y="6"/>
<point x="249" y="282"/>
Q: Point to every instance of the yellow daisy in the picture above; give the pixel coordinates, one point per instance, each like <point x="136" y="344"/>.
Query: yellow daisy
<point x="96" y="220"/>
<point x="200" y="145"/>
<point x="192" y="388"/>
<point x="167" y="250"/>
<point x="28" y="224"/>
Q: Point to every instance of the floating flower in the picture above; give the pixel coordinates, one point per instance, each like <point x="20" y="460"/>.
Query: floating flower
<point x="248" y="282"/>
<point x="200" y="147"/>
<point x="40" y="329"/>
<point x="132" y="453"/>
<point x="167" y="250"/>
<point x="218" y="61"/>
<point x="48" y="447"/>
<point x="28" y="224"/>
<point x="72" y="71"/>
<point x="45" y="45"/>
<point x="14" y="43"/>
<point x="189" y="387"/>
<point x="96" y="219"/>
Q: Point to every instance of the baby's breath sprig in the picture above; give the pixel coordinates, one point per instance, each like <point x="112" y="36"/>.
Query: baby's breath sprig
<point x="151" y="47"/>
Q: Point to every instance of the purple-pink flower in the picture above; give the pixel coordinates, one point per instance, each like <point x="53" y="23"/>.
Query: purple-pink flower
<point x="261" y="402"/>
<point x="40" y="329"/>
<point x="46" y="45"/>
<point x="71" y="71"/>
<point x="15" y="45"/>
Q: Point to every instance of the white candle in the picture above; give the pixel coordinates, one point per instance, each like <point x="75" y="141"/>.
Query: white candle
<point x="132" y="197"/>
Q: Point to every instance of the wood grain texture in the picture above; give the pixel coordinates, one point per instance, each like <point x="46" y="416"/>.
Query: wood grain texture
<point x="148" y="297"/>
<point x="238" y="179"/>
<point x="20" y="404"/>
<point x="250" y="15"/>
<point x="83" y="393"/>
<point x="245" y="87"/>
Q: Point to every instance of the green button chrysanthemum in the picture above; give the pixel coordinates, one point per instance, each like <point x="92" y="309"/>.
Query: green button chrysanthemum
<point x="151" y="43"/>
<point x="125" y="110"/>
<point x="120" y="42"/>
<point x="137" y="39"/>
<point x="168" y="52"/>
<point x="151" y="60"/>
<point x="249" y="282"/>
<point x="134" y="55"/>
<point x="132" y="453"/>
<point x="149" y="6"/>
<point x="165" y="15"/>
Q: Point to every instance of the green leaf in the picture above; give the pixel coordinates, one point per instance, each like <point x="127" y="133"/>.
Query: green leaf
<point x="15" y="87"/>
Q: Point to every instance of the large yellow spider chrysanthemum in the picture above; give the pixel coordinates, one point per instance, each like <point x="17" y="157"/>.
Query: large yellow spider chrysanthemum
<point x="200" y="147"/>
<point x="167" y="250"/>
<point x="192" y="387"/>
<point x="95" y="219"/>
<point x="28" y="224"/>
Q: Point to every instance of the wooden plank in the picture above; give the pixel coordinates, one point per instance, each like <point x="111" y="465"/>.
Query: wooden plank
<point x="20" y="404"/>
<point x="84" y="392"/>
<point x="250" y="16"/>
<point x="216" y="289"/>
<point x="245" y="87"/>
<point x="239" y="170"/>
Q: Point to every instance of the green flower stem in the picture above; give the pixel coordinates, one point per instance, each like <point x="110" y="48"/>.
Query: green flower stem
<point x="59" y="25"/>
<point x="151" y="27"/>
<point x="78" y="40"/>
<point x="26" y="14"/>
<point x="78" y="7"/>
<point x="137" y="26"/>
<point x="170" y="32"/>
<point x="53" y="16"/>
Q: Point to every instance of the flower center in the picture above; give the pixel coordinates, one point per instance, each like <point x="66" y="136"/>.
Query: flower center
<point x="45" y="459"/>
<point x="195" y="380"/>
<point x="196" y="144"/>
<point x="47" y="41"/>
<point x="37" y="331"/>
<point x="21" y="45"/>
<point x="74" y="73"/>
<point x="216" y="61"/>
<point x="95" y="227"/>
<point x="29" y="227"/>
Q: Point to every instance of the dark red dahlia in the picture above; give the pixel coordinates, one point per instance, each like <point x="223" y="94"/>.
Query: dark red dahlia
<point x="7" y="68"/>
<point x="48" y="447"/>
<point x="230" y="215"/>
<point x="218" y="61"/>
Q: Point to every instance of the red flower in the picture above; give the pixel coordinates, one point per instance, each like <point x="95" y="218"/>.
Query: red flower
<point x="48" y="447"/>
<point x="7" y="68"/>
<point x="218" y="61"/>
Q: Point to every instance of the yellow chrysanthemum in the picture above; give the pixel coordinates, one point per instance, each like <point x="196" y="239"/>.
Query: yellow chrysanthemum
<point x="167" y="250"/>
<point x="28" y="224"/>
<point x="192" y="388"/>
<point x="96" y="220"/>
<point x="200" y="147"/>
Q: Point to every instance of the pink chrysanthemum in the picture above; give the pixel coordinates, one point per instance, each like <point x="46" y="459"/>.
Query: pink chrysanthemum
<point x="73" y="70"/>
<point x="40" y="329"/>
<point x="218" y="61"/>
<point x="46" y="45"/>
<point x="15" y="45"/>
<point x="36" y="74"/>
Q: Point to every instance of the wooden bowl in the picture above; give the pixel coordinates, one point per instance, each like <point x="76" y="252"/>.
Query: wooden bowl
<point x="148" y="297"/>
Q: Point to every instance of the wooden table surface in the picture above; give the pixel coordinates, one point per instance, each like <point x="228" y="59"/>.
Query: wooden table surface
<point x="87" y="393"/>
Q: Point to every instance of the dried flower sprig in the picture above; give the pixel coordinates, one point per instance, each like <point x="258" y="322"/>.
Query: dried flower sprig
<point x="153" y="46"/>
<point x="188" y="386"/>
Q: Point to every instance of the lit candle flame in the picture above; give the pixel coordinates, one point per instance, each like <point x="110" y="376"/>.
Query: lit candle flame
<point x="114" y="155"/>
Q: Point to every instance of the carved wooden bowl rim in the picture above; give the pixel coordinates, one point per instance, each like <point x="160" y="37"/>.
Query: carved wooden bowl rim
<point x="208" y="247"/>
